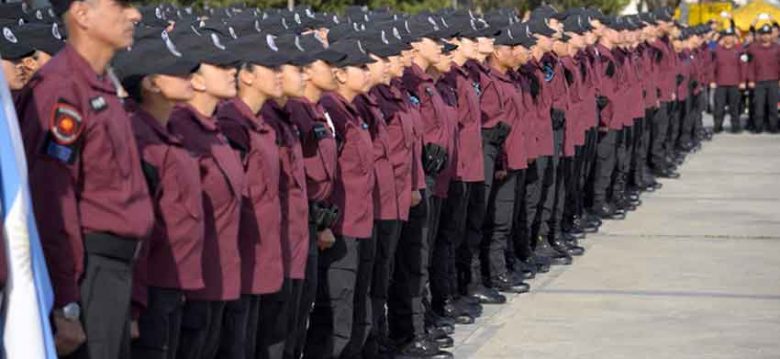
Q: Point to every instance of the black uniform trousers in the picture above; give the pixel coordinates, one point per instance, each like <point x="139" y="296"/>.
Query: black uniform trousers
<point x="547" y="219"/>
<point x="105" y="296"/>
<point x="405" y="311"/>
<point x="273" y="319"/>
<point x="765" y="106"/>
<point x="201" y="329"/>
<point x="658" y="137"/>
<point x="676" y="116"/>
<point x="605" y="165"/>
<point x="342" y="308"/>
<point x="469" y="254"/>
<point x="572" y="167"/>
<point x="159" y="325"/>
<point x="727" y="97"/>
<point x="304" y="291"/>
<point x="622" y="162"/>
<point x="640" y="174"/>
<point x="590" y="155"/>
<point x="499" y="222"/>
<point x="386" y="236"/>
<point x="451" y="235"/>
<point x="235" y="321"/>
<point x="687" y="131"/>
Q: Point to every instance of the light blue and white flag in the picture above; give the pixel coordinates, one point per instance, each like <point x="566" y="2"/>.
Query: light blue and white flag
<point x="28" y="298"/>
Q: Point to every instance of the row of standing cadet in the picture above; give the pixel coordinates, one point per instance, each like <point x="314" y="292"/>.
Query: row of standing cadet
<point x="337" y="189"/>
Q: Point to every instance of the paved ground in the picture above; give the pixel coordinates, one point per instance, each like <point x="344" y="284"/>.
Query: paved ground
<point x="694" y="273"/>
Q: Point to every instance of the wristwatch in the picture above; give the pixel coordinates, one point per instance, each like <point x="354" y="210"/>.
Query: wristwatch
<point x="71" y="311"/>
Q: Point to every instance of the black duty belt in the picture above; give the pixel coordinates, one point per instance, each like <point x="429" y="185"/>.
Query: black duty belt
<point x="111" y="246"/>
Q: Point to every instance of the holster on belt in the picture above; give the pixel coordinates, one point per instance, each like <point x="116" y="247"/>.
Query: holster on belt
<point x="497" y="135"/>
<point x="322" y="215"/>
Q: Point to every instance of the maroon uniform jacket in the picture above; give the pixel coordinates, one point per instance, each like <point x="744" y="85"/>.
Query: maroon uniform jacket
<point x="175" y="248"/>
<point x="84" y="168"/>
<point x="319" y="154"/>
<point x="470" y="166"/>
<point x="764" y="63"/>
<point x="413" y="112"/>
<point x="355" y="174"/>
<point x="260" y="234"/>
<point x="516" y="146"/>
<point x="292" y="190"/>
<point x="222" y="178"/>
<point x="385" y="195"/>
<point x="666" y="61"/>
<point x="400" y="140"/>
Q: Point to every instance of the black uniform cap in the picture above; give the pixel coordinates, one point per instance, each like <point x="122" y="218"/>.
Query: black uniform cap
<point x="11" y="48"/>
<point x="356" y="54"/>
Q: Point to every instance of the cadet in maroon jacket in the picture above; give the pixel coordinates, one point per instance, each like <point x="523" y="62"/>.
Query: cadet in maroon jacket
<point x="729" y="75"/>
<point x="389" y="197"/>
<point x="277" y="310"/>
<point x="337" y="303"/>
<point x="513" y="159"/>
<point x="260" y="233"/>
<point x="156" y="79"/>
<point x="763" y="75"/>
<point x="87" y="187"/>
<point x="320" y="160"/>
<point x="223" y="180"/>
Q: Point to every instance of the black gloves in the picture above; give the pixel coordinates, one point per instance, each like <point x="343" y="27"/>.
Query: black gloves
<point x="610" y="69"/>
<point x="569" y="76"/>
<point x="434" y="158"/>
<point x="679" y="79"/>
<point x="323" y="216"/>
<point x="558" y="118"/>
<point x="601" y="102"/>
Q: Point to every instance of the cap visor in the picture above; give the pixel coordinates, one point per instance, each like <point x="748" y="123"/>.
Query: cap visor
<point x="355" y="61"/>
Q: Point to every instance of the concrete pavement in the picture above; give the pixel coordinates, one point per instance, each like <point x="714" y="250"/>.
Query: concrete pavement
<point x="694" y="273"/>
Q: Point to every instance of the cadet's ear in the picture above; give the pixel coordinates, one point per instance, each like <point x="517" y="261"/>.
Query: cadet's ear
<point x="198" y="82"/>
<point x="341" y="75"/>
<point x="78" y="14"/>
<point x="149" y="85"/>
<point x="246" y="76"/>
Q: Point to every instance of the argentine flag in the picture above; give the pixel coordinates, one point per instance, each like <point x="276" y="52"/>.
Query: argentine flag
<point x="28" y="297"/>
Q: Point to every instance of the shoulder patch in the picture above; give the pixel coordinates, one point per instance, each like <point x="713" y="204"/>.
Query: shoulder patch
<point x="66" y="124"/>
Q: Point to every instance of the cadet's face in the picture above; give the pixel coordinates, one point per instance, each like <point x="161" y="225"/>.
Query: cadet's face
<point x="468" y="48"/>
<point x="429" y="50"/>
<point x="504" y="56"/>
<point x="395" y="67"/>
<point x="219" y="82"/>
<point x="445" y="61"/>
<point x="521" y="54"/>
<point x="293" y="80"/>
<point x="266" y="80"/>
<point x="591" y="38"/>
<point x="174" y="88"/>
<point x="544" y="43"/>
<point x="406" y="57"/>
<point x="485" y="45"/>
<point x="728" y="41"/>
<point x="377" y="72"/>
<point x="355" y="78"/>
<point x="13" y="75"/>
<point x="42" y="58"/>
<point x="109" y="21"/>
<point x="560" y="48"/>
<point x="321" y="76"/>
<point x="765" y="37"/>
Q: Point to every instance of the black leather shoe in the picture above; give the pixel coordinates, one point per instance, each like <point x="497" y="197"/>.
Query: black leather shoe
<point x="486" y="296"/>
<point x="421" y="348"/>
<point x="442" y="340"/>
<point x="667" y="173"/>
<point x="472" y="310"/>
<point x="577" y="234"/>
<point x="592" y="218"/>
<point x="573" y="247"/>
<point x="505" y="284"/>
<point x="542" y="263"/>
<point x="524" y="270"/>
<point x="606" y="211"/>
<point x="571" y="250"/>
<point x="543" y="249"/>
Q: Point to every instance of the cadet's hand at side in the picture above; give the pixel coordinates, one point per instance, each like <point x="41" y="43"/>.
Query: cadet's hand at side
<point x="134" y="332"/>
<point x="416" y="198"/>
<point x="325" y="239"/>
<point x="501" y="175"/>
<point x="70" y="334"/>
